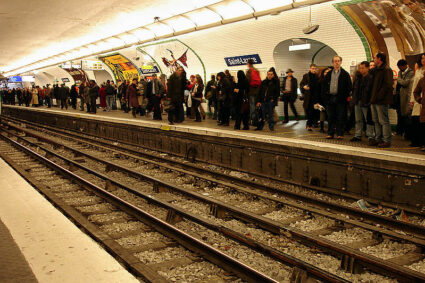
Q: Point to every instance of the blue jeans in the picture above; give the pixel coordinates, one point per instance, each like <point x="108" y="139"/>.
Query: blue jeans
<point x="267" y="108"/>
<point x="361" y="119"/>
<point x="109" y="101"/>
<point x="382" y="122"/>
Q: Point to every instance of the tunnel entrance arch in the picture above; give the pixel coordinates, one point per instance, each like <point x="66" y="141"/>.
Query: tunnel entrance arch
<point x="299" y="60"/>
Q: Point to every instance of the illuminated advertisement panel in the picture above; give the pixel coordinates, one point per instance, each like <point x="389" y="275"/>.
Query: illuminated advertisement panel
<point x="121" y="67"/>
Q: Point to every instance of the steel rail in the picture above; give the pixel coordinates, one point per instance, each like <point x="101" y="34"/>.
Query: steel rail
<point x="371" y="262"/>
<point x="213" y="255"/>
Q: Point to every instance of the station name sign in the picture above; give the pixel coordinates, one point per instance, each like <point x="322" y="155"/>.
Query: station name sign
<point x="241" y="60"/>
<point x="15" y="79"/>
<point x="147" y="69"/>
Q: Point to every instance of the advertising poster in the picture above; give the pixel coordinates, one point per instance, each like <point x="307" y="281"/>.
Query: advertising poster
<point x="395" y="27"/>
<point x="171" y="54"/>
<point x="78" y="75"/>
<point x="121" y="67"/>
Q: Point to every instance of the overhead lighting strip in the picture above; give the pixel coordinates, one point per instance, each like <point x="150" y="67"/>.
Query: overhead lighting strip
<point x="144" y="37"/>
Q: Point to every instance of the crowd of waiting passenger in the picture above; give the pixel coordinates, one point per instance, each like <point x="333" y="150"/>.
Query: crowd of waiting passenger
<point x="329" y="94"/>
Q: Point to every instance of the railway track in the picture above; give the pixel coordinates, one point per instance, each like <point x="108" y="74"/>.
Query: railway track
<point x="352" y="259"/>
<point x="126" y="222"/>
<point x="316" y="195"/>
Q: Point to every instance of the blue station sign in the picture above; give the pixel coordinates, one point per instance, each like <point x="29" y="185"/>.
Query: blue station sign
<point x="15" y="79"/>
<point x="241" y="60"/>
<point x="149" y="69"/>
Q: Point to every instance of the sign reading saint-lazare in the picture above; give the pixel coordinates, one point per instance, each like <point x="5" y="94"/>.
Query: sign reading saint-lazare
<point x="241" y="60"/>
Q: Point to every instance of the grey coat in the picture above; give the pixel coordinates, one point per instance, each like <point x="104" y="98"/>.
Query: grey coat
<point x="405" y="80"/>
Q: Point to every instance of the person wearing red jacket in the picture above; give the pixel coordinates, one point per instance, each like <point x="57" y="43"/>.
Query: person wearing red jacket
<point x="102" y="95"/>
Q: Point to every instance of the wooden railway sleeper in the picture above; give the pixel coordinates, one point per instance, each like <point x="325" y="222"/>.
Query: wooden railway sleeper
<point x="218" y="211"/>
<point x="158" y="188"/>
<point x="299" y="275"/>
<point x="173" y="217"/>
<point x="351" y="265"/>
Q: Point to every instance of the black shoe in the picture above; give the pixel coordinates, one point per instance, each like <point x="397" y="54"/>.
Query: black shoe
<point x="257" y="129"/>
<point x="355" y="139"/>
<point x="373" y="142"/>
<point x="322" y="131"/>
<point x="245" y="128"/>
<point x="271" y="129"/>
<point x="236" y="128"/>
<point x="285" y="121"/>
<point x="384" y="145"/>
<point x="198" y="121"/>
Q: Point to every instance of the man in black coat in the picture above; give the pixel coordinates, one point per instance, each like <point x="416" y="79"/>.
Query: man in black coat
<point x="110" y="95"/>
<point x="175" y="94"/>
<point x="93" y="94"/>
<point x="337" y="89"/>
<point x="360" y="98"/>
<point x="289" y="94"/>
<point x="310" y="88"/>
<point x="267" y="97"/>
<point x="64" y="94"/>
<point x="154" y="91"/>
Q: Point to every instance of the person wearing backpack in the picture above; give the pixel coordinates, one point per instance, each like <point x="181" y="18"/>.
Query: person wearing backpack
<point x="254" y="79"/>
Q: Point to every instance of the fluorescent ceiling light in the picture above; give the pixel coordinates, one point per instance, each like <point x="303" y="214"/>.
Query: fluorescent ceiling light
<point x="299" y="47"/>
<point x="232" y="9"/>
<point x="115" y="42"/>
<point x="261" y="5"/>
<point x="129" y="38"/>
<point x="102" y="46"/>
<point x="203" y="17"/>
<point x="160" y="29"/>
<point x="143" y="34"/>
<point x="180" y="23"/>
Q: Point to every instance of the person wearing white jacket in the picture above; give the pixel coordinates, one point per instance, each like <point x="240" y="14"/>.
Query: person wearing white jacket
<point x="34" y="99"/>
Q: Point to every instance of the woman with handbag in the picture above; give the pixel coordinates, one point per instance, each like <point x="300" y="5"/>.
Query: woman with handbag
<point x="241" y="100"/>
<point x="196" y="94"/>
